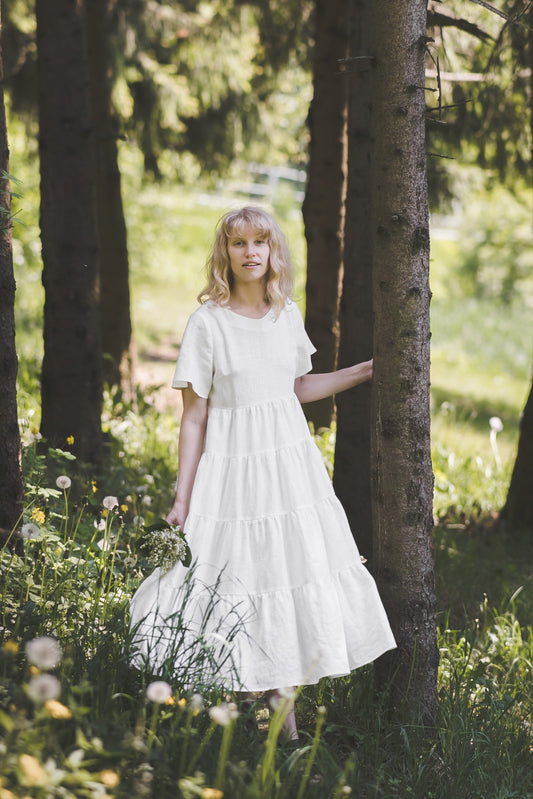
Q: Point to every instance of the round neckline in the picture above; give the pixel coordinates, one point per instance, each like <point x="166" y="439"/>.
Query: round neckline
<point x="251" y="318"/>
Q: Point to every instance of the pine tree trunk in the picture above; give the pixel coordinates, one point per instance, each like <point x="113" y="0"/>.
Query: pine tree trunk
<point x="518" y="509"/>
<point x="403" y="490"/>
<point x="351" y="477"/>
<point x="117" y="345"/>
<point x="72" y="367"/>
<point x="324" y="197"/>
<point x="11" y="487"/>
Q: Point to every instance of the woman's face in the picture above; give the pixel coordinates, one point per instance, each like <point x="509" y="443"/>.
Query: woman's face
<point x="249" y="255"/>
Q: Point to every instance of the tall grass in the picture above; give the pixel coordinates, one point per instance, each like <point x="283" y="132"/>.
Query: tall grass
<point x="103" y="731"/>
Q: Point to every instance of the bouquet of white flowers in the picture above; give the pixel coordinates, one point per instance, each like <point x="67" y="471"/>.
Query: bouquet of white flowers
<point x="165" y="545"/>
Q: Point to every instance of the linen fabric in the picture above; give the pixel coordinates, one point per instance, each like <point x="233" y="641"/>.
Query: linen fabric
<point x="270" y="540"/>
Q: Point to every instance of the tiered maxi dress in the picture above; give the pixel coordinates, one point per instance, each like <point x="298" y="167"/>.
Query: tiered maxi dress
<point x="264" y="525"/>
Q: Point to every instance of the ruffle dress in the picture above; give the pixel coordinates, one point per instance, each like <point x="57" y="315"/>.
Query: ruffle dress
<point x="265" y="527"/>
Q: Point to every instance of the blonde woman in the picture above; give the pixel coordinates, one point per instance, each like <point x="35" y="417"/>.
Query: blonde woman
<point x="253" y="495"/>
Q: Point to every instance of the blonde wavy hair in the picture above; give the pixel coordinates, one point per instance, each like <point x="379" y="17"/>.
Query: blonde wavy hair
<point x="278" y="279"/>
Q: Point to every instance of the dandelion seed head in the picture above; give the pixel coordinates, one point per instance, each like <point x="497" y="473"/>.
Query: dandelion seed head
<point x="43" y="688"/>
<point x="224" y="713"/>
<point x="43" y="652"/>
<point x="110" y="502"/>
<point x="496" y="424"/>
<point x="63" y="481"/>
<point x="138" y="521"/>
<point x="30" y="531"/>
<point x="158" y="692"/>
<point x="196" y="704"/>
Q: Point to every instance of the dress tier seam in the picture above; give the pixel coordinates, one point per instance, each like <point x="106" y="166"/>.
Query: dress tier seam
<point x="330" y="497"/>
<point x="250" y="406"/>
<point x="332" y="575"/>
<point x="259" y="453"/>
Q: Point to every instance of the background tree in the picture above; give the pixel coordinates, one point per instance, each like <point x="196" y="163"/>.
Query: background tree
<point x="323" y="207"/>
<point x="351" y="475"/>
<point x="71" y="389"/>
<point x="403" y="488"/>
<point x="11" y="488"/>
<point x="116" y="332"/>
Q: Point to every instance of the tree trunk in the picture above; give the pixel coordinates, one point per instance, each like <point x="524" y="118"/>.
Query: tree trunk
<point x="324" y="197"/>
<point x="518" y="509"/>
<point x="72" y="367"/>
<point x="351" y="477"/>
<point x="117" y="345"/>
<point x="403" y="486"/>
<point x="11" y="487"/>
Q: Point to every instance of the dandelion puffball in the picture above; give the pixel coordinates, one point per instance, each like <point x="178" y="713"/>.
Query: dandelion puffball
<point x="43" y="688"/>
<point x="110" y="502"/>
<point x="43" y="652"/>
<point x="63" y="481"/>
<point x="159" y="692"/>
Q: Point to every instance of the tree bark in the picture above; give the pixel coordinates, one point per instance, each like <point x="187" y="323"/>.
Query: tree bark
<point x="116" y="332"/>
<point x="518" y="509"/>
<point x="403" y="479"/>
<point x="324" y="198"/>
<point x="71" y="389"/>
<point x="351" y="476"/>
<point x="11" y="487"/>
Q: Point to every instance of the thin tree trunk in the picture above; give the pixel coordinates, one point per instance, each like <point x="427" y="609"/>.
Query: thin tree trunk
<point x="518" y="509"/>
<point x="403" y="490"/>
<point x="11" y="487"/>
<point x="72" y="369"/>
<point x="351" y="476"/>
<point x="324" y="197"/>
<point x="117" y="344"/>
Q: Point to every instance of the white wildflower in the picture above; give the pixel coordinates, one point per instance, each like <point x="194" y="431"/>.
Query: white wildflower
<point x="100" y="525"/>
<point x="43" y="652"/>
<point x="110" y="502"/>
<point x="63" y="481"/>
<point x="43" y="687"/>
<point x="167" y="547"/>
<point x="147" y="500"/>
<point x="30" y="530"/>
<point x="224" y="713"/>
<point x="196" y="704"/>
<point x="106" y="543"/>
<point x="159" y="692"/>
<point x="496" y="424"/>
<point x="149" y="478"/>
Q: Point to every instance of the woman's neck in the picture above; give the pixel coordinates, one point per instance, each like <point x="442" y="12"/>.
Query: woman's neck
<point x="249" y="301"/>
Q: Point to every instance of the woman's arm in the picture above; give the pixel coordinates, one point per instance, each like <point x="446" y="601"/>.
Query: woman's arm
<point x="191" y="442"/>
<point x="309" y="388"/>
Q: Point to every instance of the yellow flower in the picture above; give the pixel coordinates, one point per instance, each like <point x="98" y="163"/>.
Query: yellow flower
<point x="182" y="703"/>
<point x="10" y="647"/>
<point x="70" y="440"/>
<point x="57" y="710"/>
<point x="124" y="508"/>
<point x="31" y="771"/>
<point x="38" y="515"/>
<point x="5" y="794"/>
<point x="94" y="486"/>
<point x="109" y="778"/>
<point x="212" y="793"/>
<point x="34" y="671"/>
<point x="170" y="701"/>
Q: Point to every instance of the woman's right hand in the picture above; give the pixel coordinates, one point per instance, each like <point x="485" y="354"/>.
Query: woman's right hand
<point x="178" y="513"/>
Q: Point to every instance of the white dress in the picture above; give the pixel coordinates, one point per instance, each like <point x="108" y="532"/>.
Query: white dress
<point x="293" y="602"/>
